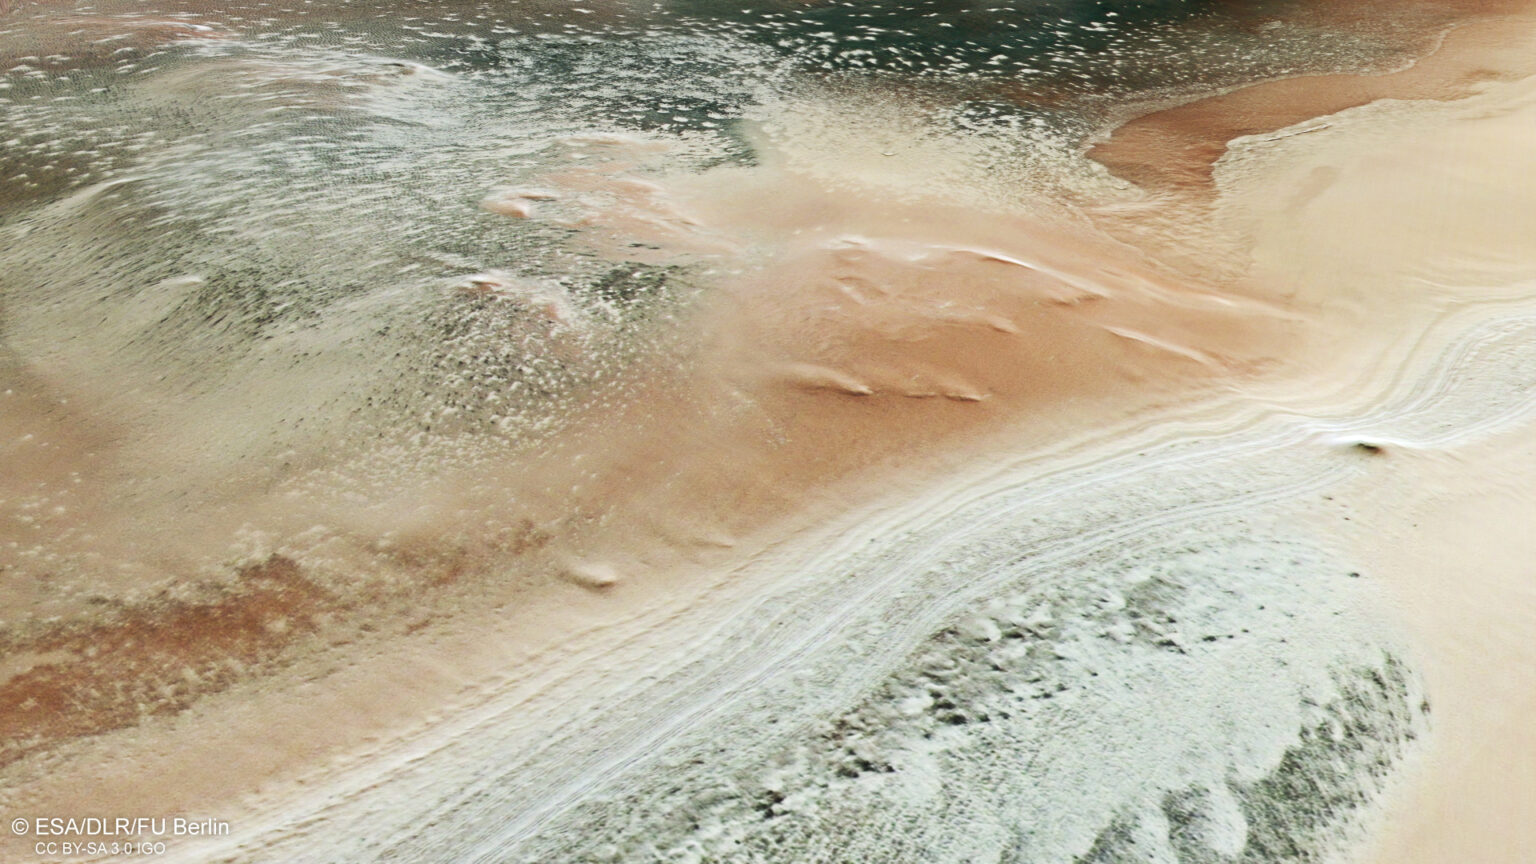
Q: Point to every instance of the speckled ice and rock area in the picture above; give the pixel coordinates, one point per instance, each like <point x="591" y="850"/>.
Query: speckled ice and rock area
<point x="1110" y="706"/>
<point x="1126" y="658"/>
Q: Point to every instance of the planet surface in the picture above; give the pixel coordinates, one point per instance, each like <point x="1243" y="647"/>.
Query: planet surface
<point x="1022" y="431"/>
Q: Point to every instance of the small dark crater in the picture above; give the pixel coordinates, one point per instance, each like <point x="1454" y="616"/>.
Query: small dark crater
<point x="768" y="804"/>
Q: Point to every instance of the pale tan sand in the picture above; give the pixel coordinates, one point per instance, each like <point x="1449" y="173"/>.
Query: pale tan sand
<point x="1177" y="148"/>
<point x="1450" y="534"/>
<point x="1433" y="203"/>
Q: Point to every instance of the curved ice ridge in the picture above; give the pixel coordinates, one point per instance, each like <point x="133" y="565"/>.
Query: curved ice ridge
<point x="1110" y="661"/>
